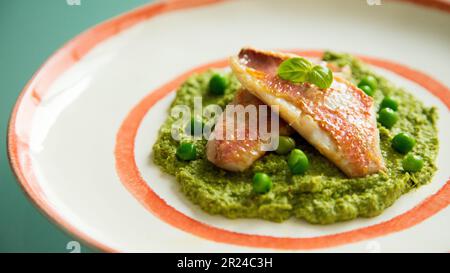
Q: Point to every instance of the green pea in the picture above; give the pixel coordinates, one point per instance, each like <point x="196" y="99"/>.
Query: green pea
<point x="218" y="84"/>
<point x="403" y="143"/>
<point x="389" y="102"/>
<point x="285" y="145"/>
<point x="186" y="151"/>
<point x="387" y="117"/>
<point x="298" y="162"/>
<point x="367" y="89"/>
<point x="412" y="163"/>
<point x="370" y="81"/>
<point x="261" y="183"/>
<point x="195" y="127"/>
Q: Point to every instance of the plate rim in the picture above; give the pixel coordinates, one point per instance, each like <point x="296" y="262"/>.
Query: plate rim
<point x="69" y="54"/>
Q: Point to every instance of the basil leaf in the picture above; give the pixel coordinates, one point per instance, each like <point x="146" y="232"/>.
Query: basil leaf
<point x="298" y="70"/>
<point x="294" y="70"/>
<point x="321" y="76"/>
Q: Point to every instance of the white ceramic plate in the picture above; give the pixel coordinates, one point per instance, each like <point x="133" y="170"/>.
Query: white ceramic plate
<point x="82" y="131"/>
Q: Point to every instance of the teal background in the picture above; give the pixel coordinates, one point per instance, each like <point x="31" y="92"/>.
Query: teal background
<point x="30" y="31"/>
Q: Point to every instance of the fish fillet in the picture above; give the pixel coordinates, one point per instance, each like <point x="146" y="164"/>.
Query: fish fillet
<point x="238" y="154"/>
<point x="340" y="121"/>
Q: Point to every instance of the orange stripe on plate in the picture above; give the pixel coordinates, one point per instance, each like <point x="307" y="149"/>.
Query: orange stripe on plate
<point x="133" y="181"/>
<point x="443" y="5"/>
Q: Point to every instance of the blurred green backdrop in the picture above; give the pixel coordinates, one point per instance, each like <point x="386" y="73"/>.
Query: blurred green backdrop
<point x="30" y="32"/>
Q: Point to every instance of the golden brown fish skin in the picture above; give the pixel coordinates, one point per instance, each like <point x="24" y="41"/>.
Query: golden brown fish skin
<point x="339" y="121"/>
<point x="238" y="155"/>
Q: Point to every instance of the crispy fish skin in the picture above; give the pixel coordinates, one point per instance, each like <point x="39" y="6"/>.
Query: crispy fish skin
<point x="234" y="154"/>
<point x="339" y="121"/>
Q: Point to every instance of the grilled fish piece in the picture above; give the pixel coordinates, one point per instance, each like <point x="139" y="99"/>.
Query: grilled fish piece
<point x="340" y="122"/>
<point x="237" y="154"/>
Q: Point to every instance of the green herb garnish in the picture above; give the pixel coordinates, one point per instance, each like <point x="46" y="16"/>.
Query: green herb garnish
<point x="298" y="70"/>
<point x="294" y="70"/>
<point x="320" y="76"/>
